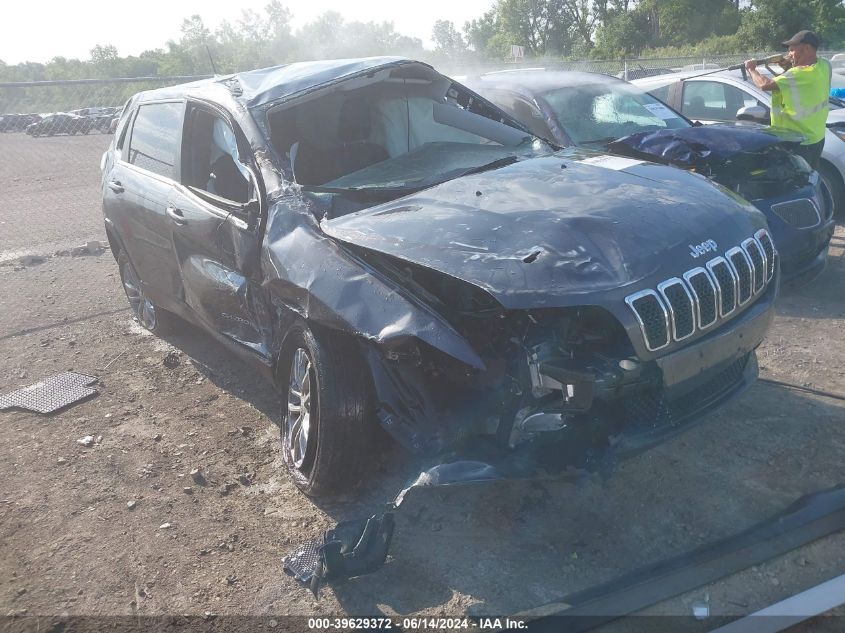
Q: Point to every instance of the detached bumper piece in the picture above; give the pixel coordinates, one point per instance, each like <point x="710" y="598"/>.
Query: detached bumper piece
<point x="353" y="548"/>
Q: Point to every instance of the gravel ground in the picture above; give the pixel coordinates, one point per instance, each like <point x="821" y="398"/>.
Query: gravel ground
<point x="122" y="528"/>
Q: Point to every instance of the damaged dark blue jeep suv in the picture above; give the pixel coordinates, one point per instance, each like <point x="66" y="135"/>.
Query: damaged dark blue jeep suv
<point x="393" y="251"/>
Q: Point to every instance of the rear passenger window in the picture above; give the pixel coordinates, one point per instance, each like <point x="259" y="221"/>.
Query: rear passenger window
<point x="713" y="101"/>
<point x="155" y="138"/>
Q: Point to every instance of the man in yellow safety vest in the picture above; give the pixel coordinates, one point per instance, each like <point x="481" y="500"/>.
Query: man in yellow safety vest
<point x="800" y="96"/>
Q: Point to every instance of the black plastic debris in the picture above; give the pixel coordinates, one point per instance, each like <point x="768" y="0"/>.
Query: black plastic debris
<point x="352" y="548"/>
<point x="51" y="395"/>
<point x="302" y="563"/>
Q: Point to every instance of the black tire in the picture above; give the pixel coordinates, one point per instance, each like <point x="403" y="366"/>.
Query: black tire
<point x="832" y="181"/>
<point x="146" y="313"/>
<point x="332" y="393"/>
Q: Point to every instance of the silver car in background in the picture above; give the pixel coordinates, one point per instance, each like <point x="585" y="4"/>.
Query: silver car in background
<point x="728" y="96"/>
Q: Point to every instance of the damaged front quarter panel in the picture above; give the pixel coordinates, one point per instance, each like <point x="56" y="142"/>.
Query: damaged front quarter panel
<point x="324" y="284"/>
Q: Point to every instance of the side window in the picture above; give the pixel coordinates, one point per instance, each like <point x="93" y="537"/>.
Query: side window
<point x="210" y="159"/>
<point x="155" y="138"/>
<point x="714" y="101"/>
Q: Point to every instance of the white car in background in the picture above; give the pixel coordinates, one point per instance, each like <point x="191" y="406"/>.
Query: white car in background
<point x="728" y="96"/>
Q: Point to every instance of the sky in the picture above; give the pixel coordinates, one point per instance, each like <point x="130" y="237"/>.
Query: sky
<point x="52" y="28"/>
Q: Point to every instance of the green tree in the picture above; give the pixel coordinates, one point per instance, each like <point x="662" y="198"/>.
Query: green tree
<point x="542" y="26"/>
<point x="447" y="40"/>
<point x="480" y="33"/>
<point x="623" y="34"/>
<point x="768" y="22"/>
<point x="105" y="61"/>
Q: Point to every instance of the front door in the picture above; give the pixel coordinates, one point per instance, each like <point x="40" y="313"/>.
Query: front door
<point x="215" y="234"/>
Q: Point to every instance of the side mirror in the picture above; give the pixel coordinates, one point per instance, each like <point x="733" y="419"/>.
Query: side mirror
<point x="755" y="113"/>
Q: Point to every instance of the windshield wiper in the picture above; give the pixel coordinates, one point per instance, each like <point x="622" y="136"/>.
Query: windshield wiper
<point x="607" y="139"/>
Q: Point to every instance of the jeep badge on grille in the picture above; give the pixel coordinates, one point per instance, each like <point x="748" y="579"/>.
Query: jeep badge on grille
<point x="703" y="248"/>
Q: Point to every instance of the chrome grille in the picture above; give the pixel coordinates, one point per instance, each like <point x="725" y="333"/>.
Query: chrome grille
<point x="758" y="262"/>
<point x="704" y="296"/>
<point x="679" y="301"/>
<point x="653" y="318"/>
<point x="726" y="283"/>
<point x="769" y="249"/>
<point x="704" y="291"/>
<point x="801" y="214"/>
<point x="742" y="267"/>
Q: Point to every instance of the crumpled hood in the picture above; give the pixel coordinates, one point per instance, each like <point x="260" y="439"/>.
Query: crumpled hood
<point x="707" y="145"/>
<point x="553" y="231"/>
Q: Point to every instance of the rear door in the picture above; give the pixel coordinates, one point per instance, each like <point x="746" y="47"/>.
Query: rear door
<point x="215" y="228"/>
<point x="139" y="190"/>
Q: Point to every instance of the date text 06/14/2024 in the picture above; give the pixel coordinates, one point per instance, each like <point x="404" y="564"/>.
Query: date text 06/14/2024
<point x="415" y="624"/>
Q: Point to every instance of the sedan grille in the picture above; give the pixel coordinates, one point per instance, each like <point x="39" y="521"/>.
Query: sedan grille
<point x="704" y="296"/>
<point x="802" y="214"/>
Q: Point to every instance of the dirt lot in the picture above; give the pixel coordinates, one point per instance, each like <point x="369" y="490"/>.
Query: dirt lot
<point x="82" y="530"/>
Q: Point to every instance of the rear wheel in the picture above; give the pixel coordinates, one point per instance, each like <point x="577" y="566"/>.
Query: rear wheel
<point x="327" y="425"/>
<point x="832" y="183"/>
<point x="146" y="313"/>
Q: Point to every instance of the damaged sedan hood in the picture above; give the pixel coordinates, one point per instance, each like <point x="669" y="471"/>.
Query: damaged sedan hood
<point x="549" y="232"/>
<point x="706" y="145"/>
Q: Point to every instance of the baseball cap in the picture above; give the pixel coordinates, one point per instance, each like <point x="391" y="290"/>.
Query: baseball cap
<point x="803" y="37"/>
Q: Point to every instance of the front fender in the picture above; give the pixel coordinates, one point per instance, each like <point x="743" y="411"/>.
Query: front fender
<point x="310" y="274"/>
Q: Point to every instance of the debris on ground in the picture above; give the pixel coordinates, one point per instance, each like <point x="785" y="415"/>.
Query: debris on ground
<point x="352" y="548"/>
<point x="52" y="394"/>
<point x="171" y="360"/>
<point x="165" y="526"/>
<point x="198" y="477"/>
<point x="130" y="505"/>
<point x="87" y="441"/>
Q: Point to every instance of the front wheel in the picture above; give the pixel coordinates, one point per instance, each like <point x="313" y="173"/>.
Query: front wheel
<point x="327" y="423"/>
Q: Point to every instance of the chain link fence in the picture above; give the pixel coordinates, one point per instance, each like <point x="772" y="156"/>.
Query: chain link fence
<point x="53" y="133"/>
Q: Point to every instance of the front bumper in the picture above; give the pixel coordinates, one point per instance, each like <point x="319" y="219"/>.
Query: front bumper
<point x="802" y="250"/>
<point x="697" y="380"/>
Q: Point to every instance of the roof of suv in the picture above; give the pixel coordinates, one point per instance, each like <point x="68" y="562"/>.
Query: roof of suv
<point x="257" y="87"/>
<point x="543" y="80"/>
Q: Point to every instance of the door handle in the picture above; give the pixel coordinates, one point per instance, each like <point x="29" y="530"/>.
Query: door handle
<point x="176" y="215"/>
<point x="115" y="186"/>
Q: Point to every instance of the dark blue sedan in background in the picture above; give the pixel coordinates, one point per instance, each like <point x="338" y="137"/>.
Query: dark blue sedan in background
<point x="602" y="112"/>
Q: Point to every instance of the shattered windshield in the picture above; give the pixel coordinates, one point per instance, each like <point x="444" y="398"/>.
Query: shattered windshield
<point x="394" y="136"/>
<point x="598" y="113"/>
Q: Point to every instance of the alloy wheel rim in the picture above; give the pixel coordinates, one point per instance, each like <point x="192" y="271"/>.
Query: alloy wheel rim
<point x="143" y="309"/>
<point x="298" y="421"/>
